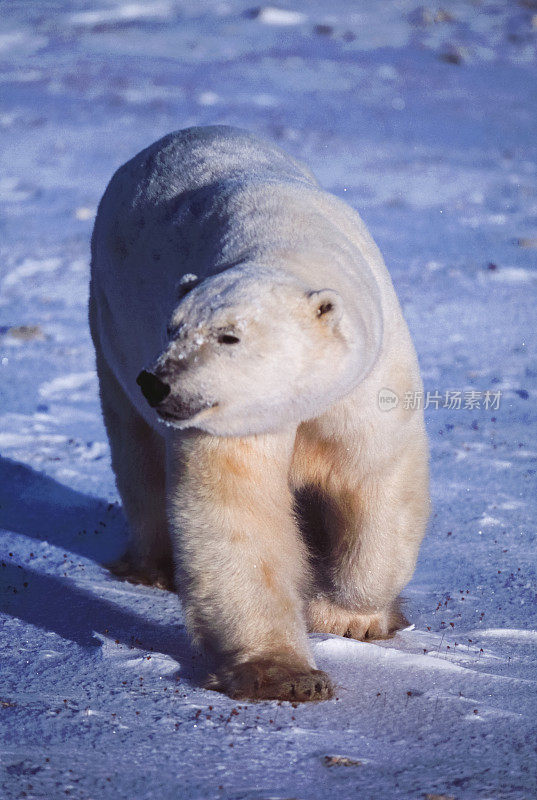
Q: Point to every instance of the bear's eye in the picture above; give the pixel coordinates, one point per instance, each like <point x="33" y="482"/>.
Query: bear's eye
<point x="228" y="338"/>
<point x="324" y="308"/>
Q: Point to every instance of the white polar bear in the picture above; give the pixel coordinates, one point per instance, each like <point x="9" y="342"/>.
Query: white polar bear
<point x="244" y="323"/>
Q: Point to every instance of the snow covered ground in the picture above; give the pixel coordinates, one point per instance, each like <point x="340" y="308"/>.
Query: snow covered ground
<point x="422" y="115"/>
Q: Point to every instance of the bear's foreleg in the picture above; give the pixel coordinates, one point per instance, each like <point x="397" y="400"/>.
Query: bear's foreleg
<point x="242" y="565"/>
<point x="374" y="530"/>
<point x="138" y="459"/>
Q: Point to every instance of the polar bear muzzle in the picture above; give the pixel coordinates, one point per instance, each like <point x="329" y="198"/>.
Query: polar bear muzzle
<point x="171" y="408"/>
<point x="153" y="389"/>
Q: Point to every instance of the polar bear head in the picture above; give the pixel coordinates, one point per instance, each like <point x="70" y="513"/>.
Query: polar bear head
<point x="253" y="350"/>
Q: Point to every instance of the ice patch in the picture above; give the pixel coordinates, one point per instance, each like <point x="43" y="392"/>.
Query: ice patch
<point x="208" y="99"/>
<point x="7" y="120"/>
<point x="29" y="268"/>
<point x="512" y="505"/>
<point x="20" y="42"/>
<point x="84" y="213"/>
<point x="340" y="650"/>
<point x="12" y="192"/>
<point x="146" y="94"/>
<point x="265" y="101"/>
<point x="136" y="659"/>
<point x="487" y="520"/>
<point x="66" y="474"/>
<point x="24" y="440"/>
<point x="506" y="633"/>
<point x="501" y="464"/>
<point x="125" y="13"/>
<point x="387" y="72"/>
<point x="270" y="15"/>
<point x="64" y="386"/>
<point x="79" y="265"/>
<point x="513" y="275"/>
<point x="529" y="454"/>
<point x="22" y="76"/>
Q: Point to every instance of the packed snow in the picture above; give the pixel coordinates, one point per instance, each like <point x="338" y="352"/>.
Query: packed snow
<point x="420" y="115"/>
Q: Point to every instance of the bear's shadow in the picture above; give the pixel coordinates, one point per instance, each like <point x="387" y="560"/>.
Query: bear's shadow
<point x="39" y="507"/>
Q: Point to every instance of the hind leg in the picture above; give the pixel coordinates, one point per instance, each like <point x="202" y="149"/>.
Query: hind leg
<point x="139" y="463"/>
<point x="375" y="530"/>
<point x="372" y="522"/>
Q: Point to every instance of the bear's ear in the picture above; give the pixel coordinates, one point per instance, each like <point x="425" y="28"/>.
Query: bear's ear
<point x="187" y="282"/>
<point x="326" y="305"/>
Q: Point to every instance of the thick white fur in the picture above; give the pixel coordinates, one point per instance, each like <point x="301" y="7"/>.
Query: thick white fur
<point x="290" y="411"/>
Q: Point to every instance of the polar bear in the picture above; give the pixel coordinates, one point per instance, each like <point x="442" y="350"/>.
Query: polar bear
<point x="244" y="325"/>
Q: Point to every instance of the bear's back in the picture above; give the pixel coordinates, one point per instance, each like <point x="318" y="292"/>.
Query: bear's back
<point x="194" y="158"/>
<point x="180" y="178"/>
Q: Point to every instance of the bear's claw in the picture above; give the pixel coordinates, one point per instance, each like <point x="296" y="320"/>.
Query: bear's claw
<point x="327" y="617"/>
<point x="263" y="679"/>
<point x="127" y="569"/>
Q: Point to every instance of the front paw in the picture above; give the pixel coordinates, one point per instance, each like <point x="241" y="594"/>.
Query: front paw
<point x="263" y="679"/>
<point x="324" y="616"/>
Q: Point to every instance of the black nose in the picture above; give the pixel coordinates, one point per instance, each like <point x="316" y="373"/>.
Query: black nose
<point x="153" y="389"/>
